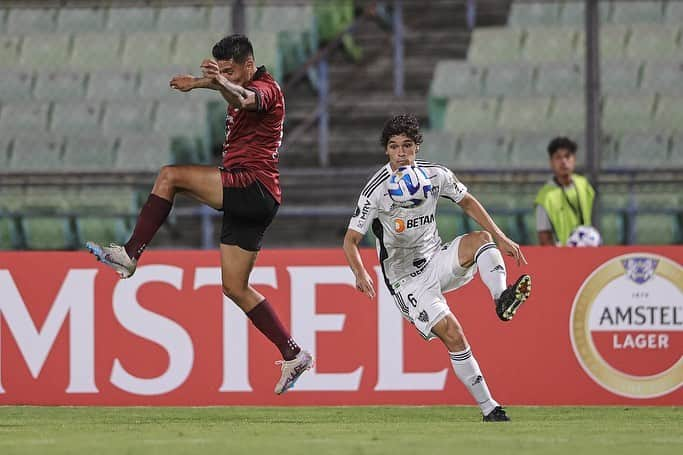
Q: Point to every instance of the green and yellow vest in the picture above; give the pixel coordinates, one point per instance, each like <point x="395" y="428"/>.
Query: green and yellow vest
<point x="567" y="209"/>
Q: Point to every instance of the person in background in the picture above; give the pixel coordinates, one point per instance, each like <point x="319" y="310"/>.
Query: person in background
<point x="565" y="202"/>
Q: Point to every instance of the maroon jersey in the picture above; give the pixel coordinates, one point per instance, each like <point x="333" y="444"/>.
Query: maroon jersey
<point x="252" y="138"/>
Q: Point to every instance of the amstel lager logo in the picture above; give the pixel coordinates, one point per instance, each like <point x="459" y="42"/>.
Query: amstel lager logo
<point x="627" y="325"/>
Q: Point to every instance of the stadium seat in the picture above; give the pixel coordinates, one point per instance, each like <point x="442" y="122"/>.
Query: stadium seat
<point x="45" y="51"/>
<point x="677" y="151"/>
<point x="154" y="83"/>
<point x="612" y="42"/>
<point x="560" y="78"/>
<point x="494" y="196"/>
<point x="449" y="220"/>
<point x="96" y="51"/>
<point x="36" y="153"/>
<point x="12" y="198"/>
<point x="112" y="85"/>
<point x="526" y="14"/>
<point x="131" y="19"/>
<point x="147" y="49"/>
<point x="620" y="77"/>
<point x="105" y="201"/>
<point x="294" y="49"/>
<point x="103" y="230"/>
<point x="74" y="20"/>
<point x="664" y="77"/>
<point x="439" y="147"/>
<point x="510" y="78"/>
<point x="529" y="150"/>
<point x="648" y="41"/>
<point x="181" y="18"/>
<point x="521" y="113"/>
<point x="546" y="44"/>
<point x="16" y="85"/>
<point x="60" y="85"/>
<point x="193" y="47"/>
<point x="567" y="114"/>
<point x="5" y="142"/>
<point x="31" y="20"/>
<point x="470" y="115"/>
<point x="220" y="19"/>
<point x="656" y="229"/>
<point x="278" y="18"/>
<point x="9" y="51"/>
<point x="124" y="118"/>
<point x="674" y="12"/>
<point x="482" y="151"/>
<point x="48" y="233"/>
<point x="181" y="117"/>
<point x="634" y="12"/>
<point x="642" y="150"/>
<point x="6" y="235"/>
<point x="609" y="151"/>
<point x="669" y="114"/>
<point x="574" y="13"/>
<point x="628" y="113"/>
<point x="143" y="153"/>
<point x="613" y="228"/>
<point x="77" y="117"/>
<point x="452" y="79"/>
<point x="266" y="51"/>
<point x="24" y="117"/>
<point x="88" y="153"/>
<point x="494" y="45"/>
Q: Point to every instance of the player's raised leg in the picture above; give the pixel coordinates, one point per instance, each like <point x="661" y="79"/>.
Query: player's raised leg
<point x="466" y="367"/>
<point x="478" y="247"/>
<point x="236" y="266"/>
<point x="201" y="182"/>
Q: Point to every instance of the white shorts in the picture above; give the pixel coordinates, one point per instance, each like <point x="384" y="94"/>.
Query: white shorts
<point x="420" y="298"/>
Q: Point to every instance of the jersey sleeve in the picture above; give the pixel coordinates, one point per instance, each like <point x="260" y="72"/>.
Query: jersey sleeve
<point x="365" y="211"/>
<point x="451" y="187"/>
<point x="267" y="94"/>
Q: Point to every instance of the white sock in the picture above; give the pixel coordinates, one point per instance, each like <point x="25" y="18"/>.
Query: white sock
<point x="467" y="370"/>
<point x="491" y="269"/>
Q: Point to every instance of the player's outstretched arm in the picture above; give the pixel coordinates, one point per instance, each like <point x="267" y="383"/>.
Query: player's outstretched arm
<point x="473" y="208"/>
<point x="235" y="95"/>
<point x="363" y="281"/>
<point x="187" y="82"/>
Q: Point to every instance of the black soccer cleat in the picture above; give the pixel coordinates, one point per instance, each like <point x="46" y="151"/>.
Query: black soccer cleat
<point x="497" y="415"/>
<point x="513" y="297"/>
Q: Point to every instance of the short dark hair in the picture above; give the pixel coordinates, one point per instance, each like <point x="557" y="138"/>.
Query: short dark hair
<point x="233" y="47"/>
<point x="401" y="124"/>
<point x="561" y="143"/>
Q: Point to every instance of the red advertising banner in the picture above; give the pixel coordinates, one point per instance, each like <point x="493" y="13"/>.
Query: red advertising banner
<point x="603" y="326"/>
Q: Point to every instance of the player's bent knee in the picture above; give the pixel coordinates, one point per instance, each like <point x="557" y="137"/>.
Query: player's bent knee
<point x="483" y="237"/>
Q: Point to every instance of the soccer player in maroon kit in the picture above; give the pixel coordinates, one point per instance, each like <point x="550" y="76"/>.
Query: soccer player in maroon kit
<point x="246" y="188"/>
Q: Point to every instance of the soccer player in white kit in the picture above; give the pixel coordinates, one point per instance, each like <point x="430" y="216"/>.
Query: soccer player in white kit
<point x="419" y="268"/>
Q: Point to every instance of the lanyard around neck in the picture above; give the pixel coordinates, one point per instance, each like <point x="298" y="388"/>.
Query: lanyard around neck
<point x="577" y="210"/>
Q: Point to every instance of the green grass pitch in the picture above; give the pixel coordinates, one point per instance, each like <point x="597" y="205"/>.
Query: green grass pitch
<point x="339" y="430"/>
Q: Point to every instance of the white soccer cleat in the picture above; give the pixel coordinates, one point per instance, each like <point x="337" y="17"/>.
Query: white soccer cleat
<point x="292" y="370"/>
<point x="114" y="256"/>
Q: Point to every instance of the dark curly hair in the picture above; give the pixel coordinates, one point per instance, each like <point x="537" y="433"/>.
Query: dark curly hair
<point x="401" y="124"/>
<point x="561" y="143"/>
<point x="233" y="47"/>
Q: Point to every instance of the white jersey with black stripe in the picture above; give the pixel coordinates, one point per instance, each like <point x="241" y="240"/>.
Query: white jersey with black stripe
<point x="407" y="238"/>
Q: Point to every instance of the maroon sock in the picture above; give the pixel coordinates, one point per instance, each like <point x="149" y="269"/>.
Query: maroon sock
<point x="152" y="216"/>
<point x="264" y="318"/>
